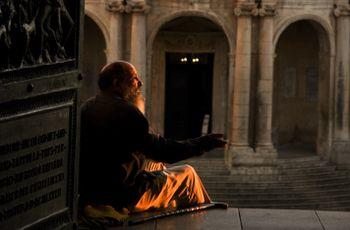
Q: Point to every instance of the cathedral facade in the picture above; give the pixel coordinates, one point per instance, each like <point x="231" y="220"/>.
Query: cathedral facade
<point x="273" y="76"/>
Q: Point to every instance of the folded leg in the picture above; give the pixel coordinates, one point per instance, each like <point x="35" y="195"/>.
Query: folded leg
<point x="178" y="186"/>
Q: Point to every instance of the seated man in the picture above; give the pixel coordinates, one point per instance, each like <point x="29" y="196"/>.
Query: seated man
<point x="116" y="149"/>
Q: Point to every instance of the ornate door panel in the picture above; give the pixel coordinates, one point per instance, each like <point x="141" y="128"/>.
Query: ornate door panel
<point x="39" y="78"/>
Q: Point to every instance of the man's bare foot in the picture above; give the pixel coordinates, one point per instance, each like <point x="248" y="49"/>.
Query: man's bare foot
<point x="103" y="211"/>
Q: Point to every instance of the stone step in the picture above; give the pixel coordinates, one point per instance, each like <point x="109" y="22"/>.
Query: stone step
<point x="298" y="160"/>
<point x="301" y="171"/>
<point x="300" y="183"/>
<point x="223" y="177"/>
<point x="290" y="200"/>
<point x="327" y="171"/>
<point x="331" y="206"/>
<point x="241" y="189"/>
<point x="282" y="194"/>
<point x="308" y="169"/>
<point x="284" y="189"/>
<point x="302" y="180"/>
<point x="303" y="165"/>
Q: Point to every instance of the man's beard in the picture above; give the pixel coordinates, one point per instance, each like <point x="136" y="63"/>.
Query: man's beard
<point x="136" y="99"/>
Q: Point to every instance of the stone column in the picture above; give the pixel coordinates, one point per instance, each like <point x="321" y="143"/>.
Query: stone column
<point x="341" y="142"/>
<point x="239" y="133"/>
<point x="263" y="141"/>
<point x="115" y="46"/>
<point x="244" y="160"/>
<point x="342" y="62"/>
<point x="139" y="9"/>
<point x="231" y="61"/>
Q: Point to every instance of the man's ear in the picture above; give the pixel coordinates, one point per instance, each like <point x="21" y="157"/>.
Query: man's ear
<point x="116" y="84"/>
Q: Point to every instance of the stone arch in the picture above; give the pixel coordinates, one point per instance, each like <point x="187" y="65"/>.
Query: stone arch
<point x="99" y="23"/>
<point x="326" y="39"/>
<point x="185" y="13"/>
<point x="95" y="44"/>
<point x="156" y="68"/>
<point x="283" y="25"/>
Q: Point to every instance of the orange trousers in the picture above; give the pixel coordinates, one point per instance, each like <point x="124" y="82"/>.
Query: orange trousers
<point x="177" y="186"/>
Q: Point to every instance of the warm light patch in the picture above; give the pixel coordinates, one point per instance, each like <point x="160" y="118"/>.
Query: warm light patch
<point x="184" y="59"/>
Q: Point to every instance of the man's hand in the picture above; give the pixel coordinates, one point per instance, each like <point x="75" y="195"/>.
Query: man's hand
<point x="209" y="142"/>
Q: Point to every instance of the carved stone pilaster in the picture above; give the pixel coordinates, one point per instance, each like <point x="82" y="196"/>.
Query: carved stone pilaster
<point x="246" y="9"/>
<point x="341" y="10"/>
<point x="137" y="6"/>
<point x="115" y="6"/>
<point x="267" y="10"/>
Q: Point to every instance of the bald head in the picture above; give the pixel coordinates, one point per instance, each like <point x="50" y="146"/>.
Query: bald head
<point x="121" y="78"/>
<point x="118" y="71"/>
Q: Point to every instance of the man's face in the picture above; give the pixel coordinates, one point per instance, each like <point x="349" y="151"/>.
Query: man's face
<point x="132" y="86"/>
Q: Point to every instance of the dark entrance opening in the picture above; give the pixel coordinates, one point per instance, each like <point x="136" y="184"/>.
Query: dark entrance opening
<point x="189" y="85"/>
<point x="297" y="95"/>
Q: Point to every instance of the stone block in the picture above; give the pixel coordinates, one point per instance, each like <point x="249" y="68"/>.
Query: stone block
<point x="340" y="154"/>
<point x="334" y="220"/>
<point x="279" y="219"/>
<point x="209" y="219"/>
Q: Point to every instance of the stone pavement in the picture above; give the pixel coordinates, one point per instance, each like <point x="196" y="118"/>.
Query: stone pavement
<point x="249" y="219"/>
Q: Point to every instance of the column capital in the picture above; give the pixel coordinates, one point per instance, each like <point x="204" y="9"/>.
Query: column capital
<point x="115" y="6"/>
<point x="137" y="6"/>
<point x="253" y="9"/>
<point x="268" y="10"/>
<point x="246" y="9"/>
<point x="341" y="10"/>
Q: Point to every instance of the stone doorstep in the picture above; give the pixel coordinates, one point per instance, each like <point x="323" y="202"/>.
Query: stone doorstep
<point x="251" y="218"/>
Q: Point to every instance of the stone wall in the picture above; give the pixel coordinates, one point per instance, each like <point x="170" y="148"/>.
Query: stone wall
<point x="94" y="57"/>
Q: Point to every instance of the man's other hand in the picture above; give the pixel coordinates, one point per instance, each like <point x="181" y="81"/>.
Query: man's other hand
<point x="210" y="141"/>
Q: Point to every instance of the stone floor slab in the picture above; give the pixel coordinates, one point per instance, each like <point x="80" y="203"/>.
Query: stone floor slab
<point x="151" y="225"/>
<point x="253" y="219"/>
<point x="334" y="220"/>
<point x="209" y="220"/>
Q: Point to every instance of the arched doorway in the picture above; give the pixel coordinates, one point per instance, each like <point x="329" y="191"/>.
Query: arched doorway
<point x="301" y="93"/>
<point x="94" y="58"/>
<point x="189" y="85"/>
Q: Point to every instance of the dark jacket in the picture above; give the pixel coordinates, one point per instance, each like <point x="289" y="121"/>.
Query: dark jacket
<point x="114" y="138"/>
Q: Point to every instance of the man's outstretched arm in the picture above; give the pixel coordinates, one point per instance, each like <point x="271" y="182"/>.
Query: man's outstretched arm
<point x="165" y="150"/>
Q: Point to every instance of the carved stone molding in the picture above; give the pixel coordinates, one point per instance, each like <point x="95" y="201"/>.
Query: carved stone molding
<point x="341" y="10"/>
<point x="247" y="9"/>
<point x="267" y="10"/>
<point x="252" y="9"/>
<point x="137" y="6"/>
<point x="115" y="6"/>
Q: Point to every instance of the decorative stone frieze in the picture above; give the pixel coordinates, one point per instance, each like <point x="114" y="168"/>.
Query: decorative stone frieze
<point x="252" y="9"/>
<point x="267" y="10"/>
<point x="137" y="6"/>
<point x="341" y="10"/>
<point x="247" y="9"/>
<point x="115" y="6"/>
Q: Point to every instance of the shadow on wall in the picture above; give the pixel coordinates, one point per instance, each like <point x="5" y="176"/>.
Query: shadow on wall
<point x="94" y="58"/>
